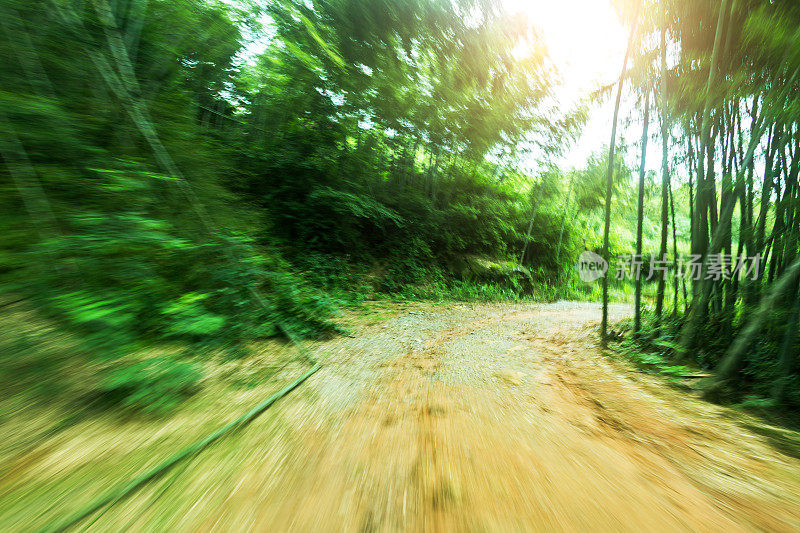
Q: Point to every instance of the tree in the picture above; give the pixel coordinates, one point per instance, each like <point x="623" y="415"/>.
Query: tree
<point x="637" y="324"/>
<point x="610" y="172"/>
<point x="665" y="181"/>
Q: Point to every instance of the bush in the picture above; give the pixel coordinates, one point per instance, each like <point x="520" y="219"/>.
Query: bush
<point x="152" y="386"/>
<point x="119" y="276"/>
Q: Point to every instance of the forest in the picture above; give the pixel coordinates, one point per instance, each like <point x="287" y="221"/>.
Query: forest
<point x="161" y="189"/>
<point x="185" y="180"/>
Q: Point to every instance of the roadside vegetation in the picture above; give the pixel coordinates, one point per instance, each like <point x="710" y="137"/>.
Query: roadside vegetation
<point x="184" y="179"/>
<point x="197" y="194"/>
<point x="724" y="79"/>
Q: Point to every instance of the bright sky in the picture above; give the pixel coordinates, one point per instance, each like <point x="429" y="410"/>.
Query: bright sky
<point x="587" y="44"/>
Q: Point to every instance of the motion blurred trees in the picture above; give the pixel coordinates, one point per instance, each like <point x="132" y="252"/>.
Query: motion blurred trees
<point x="380" y="123"/>
<point x="207" y="173"/>
<point x="165" y="184"/>
<point x="731" y="93"/>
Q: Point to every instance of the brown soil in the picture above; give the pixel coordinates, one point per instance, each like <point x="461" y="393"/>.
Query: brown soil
<point x="480" y="418"/>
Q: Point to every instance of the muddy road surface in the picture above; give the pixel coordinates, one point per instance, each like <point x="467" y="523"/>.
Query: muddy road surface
<point x="479" y="418"/>
<point x="504" y="418"/>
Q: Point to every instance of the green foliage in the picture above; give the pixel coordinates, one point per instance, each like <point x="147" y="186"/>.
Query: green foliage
<point x="31" y="361"/>
<point x="121" y="277"/>
<point x="458" y="290"/>
<point x="162" y="187"/>
<point x="654" y="348"/>
<point x="153" y="386"/>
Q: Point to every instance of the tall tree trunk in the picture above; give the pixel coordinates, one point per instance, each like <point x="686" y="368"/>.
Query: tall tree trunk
<point x="728" y="195"/>
<point x="610" y="172"/>
<point x="665" y="185"/>
<point x="692" y="217"/>
<point x="740" y="192"/>
<point x="705" y="175"/>
<point x="696" y="314"/>
<point x="677" y="282"/>
<point x="779" y="224"/>
<point x="637" y="320"/>
<point x="766" y="188"/>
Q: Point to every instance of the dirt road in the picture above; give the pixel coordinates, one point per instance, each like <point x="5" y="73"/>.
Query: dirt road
<point x="505" y="418"/>
<point x="481" y="418"/>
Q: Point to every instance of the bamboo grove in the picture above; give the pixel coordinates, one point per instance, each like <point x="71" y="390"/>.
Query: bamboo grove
<point x="725" y="79"/>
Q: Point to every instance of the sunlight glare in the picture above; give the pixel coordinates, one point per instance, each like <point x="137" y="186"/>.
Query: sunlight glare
<point x="585" y="39"/>
<point x="586" y="43"/>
